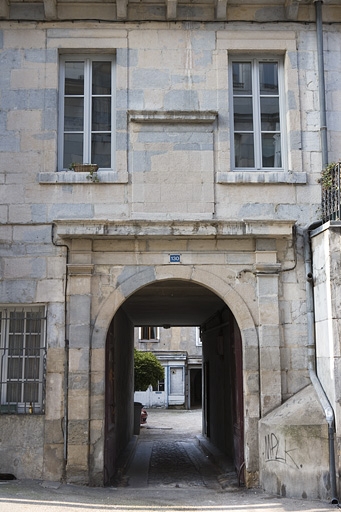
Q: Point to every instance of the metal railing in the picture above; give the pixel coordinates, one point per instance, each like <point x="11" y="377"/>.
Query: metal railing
<point x="330" y="201"/>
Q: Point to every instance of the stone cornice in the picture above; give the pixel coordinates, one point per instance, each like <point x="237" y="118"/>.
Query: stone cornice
<point x="92" y="229"/>
<point x="169" y="10"/>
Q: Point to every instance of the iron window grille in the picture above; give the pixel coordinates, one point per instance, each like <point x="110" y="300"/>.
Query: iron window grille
<point x="330" y="183"/>
<point x="22" y="359"/>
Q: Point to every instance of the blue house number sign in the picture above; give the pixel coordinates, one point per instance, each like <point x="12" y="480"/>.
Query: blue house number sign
<point x="174" y="258"/>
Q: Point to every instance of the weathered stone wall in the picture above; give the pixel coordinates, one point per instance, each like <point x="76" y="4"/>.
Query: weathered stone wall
<point x="293" y="442"/>
<point x="326" y="272"/>
<point x="191" y="75"/>
<point x="22" y="451"/>
<point x="170" y="165"/>
<point x="175" y="338"/>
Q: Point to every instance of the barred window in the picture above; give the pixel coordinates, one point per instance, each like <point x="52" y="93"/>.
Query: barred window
<point x="22" y="363"/>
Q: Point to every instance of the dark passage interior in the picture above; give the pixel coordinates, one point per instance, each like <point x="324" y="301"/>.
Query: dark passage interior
<point x="177" y="303"/>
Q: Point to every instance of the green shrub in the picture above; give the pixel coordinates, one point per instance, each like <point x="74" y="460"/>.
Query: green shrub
<point x="147" y="370"/>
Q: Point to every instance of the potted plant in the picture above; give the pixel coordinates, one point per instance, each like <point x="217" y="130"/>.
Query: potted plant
<point x="89" y="168"/>
<point x="77" y="167"/>
<point x="147" y="372"/>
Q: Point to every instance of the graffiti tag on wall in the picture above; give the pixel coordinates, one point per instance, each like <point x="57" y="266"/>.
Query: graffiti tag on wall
<point x="277" y="451"/>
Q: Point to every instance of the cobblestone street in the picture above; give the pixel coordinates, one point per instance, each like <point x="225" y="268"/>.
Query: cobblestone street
<point x="168" y="454"/>
<point x="169" y="472"/>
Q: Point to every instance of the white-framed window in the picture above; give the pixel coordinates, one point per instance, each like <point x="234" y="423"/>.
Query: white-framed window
<point x="87" y="110"/>
<point x="257" y="119"/>
<point x="22" y="359"/>
<point x="149" y="333"/>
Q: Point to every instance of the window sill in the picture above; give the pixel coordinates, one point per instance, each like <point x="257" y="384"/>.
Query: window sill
<point x="64" y="177"/>
<point x="260" y="177"/>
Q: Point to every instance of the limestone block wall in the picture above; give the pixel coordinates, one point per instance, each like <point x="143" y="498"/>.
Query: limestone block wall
<point x="161" y="71"/>
<point x="326" y="272"/>
<point x="27" y="457"/>
<point x="173" y="161"/>
<point x="293" y="456"/>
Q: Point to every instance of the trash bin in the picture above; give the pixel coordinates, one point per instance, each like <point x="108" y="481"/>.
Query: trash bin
<point x="137" y="417"/>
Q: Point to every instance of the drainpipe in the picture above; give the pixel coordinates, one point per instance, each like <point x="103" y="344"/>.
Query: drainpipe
<point x="328" y="410"/>
<point x="321" y="82"/>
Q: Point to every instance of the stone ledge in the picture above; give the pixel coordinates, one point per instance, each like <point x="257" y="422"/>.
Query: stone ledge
<point x="330" y="224"/>
<point x="79" y="269"/>
<point x="63" y="177"/>
<point x="259" y="177"/>
<point x="103" y="229"/>
<point x="173" y="116"/>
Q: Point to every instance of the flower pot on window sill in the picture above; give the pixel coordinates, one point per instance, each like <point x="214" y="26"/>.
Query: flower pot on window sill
<point x="91" y="168"/>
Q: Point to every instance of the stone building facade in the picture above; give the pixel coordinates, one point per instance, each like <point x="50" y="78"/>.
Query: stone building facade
<point x="205" y="121"/>
<point x="178" y="349"/>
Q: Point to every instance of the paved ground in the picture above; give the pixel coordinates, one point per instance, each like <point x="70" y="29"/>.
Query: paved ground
<point x="168" y="473"/>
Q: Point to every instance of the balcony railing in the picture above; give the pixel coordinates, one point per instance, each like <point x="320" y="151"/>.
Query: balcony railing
<point x="330" y="183"/>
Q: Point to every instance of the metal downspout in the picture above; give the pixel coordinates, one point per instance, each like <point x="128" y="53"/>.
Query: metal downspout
<point x="328" y="410"/>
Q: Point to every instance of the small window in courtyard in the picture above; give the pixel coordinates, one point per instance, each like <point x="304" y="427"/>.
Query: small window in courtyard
<point x="161" y="385"/>
<point x="86" y="124"/>
<point x="149" y="333"/>
<point x="22" y="359"/>
<point x="257" y="120"/>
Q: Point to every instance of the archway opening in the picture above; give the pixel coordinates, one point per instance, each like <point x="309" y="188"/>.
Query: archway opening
<point x="177" y="303"/>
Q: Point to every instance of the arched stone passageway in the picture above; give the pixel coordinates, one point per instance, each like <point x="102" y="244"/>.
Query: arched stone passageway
<point x="183" y="300"/>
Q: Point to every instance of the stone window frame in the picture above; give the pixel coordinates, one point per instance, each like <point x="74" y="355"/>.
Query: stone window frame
<point x="149" y="338"/>
<point x="255" y="61"/>
<point x="87" y="42"/>
<point x="88" y="60"/>
<point x="22" y="355"/>
<point x="271" y="44"/>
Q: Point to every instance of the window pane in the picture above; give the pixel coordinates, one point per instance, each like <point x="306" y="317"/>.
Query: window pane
<point x="32" y="344"/>
<point x="101" y="149"/>
<point x="101" y="114"/>
<point x="14" y="368"/>
<point x="243" y="117"/>
<point x="32" y="368"/>
<point x="74" y="78"/>
<point x="101" y="77"/>
<point x="31" y="392"/>
<point x="271" y="150"/>
<point x="268" y="77"/>
<point x="13" y="392"/>
<point x="74" y="114"/>
<point x="243" y="150"/>
<point x="15" y="344"/>
<point x="33" y="323"/>
<point x="269" y="114"/>
<point x="242" y="78"/>
<point x="16" y="321"/>
<point x="73" y="148"/>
